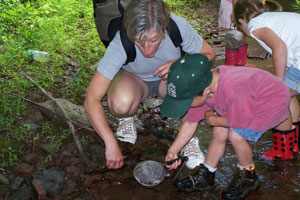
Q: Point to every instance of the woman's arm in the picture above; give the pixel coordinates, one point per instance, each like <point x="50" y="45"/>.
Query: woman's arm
<point x="279" y="49"/>
<point x="95" y="111"/>
<point x="208" y="51"/>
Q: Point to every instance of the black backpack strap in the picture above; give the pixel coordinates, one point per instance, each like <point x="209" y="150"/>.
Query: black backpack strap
<point x="128" y="45"/>
<point x="175" y="35"/>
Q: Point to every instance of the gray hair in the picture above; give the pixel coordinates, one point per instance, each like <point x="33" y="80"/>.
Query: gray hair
<point x="141" y="16"/>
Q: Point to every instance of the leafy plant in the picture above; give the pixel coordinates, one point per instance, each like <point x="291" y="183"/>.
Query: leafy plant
<point x="9" y="156"/>
<point x="297" y="6"/>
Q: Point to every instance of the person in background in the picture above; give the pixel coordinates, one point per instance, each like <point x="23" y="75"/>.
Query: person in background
<point x="277" y="32"/>
<point x="241" y="103"/>
<point x="236" y="56"/>
<point x="127" y="85"/>
<point x="224" y="20"/>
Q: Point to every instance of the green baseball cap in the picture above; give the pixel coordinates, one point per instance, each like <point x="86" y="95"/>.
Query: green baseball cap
<point x="187" y="77"/>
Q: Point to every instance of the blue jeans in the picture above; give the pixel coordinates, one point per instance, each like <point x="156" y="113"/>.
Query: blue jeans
<point x="248" y="134"/>
<point x="292" y="78"/>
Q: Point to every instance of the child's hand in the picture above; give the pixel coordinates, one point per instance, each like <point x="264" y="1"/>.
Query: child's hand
<point x="210" y="116"/>
<point x="214" y="119"/>
<point x="171" y="156"/>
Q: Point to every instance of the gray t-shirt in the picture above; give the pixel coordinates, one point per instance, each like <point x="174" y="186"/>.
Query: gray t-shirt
<point x="115" y="55"/>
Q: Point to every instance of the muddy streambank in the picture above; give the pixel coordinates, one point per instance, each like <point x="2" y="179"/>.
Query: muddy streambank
<point x="65" y="175"/>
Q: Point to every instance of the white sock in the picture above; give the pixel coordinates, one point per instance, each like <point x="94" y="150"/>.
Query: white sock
<point x="211" y="169"/>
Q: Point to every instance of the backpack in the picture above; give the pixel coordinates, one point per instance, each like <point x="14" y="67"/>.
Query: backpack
<point x="108" y="15"/>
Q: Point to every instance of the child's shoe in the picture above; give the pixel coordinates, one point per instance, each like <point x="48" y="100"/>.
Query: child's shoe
<point x="241" y="59"/>
<point x="282" y="147"/>
<point x="230" y="56"/>
<point x="201" y="179"/>
<point x="243" y="183"/>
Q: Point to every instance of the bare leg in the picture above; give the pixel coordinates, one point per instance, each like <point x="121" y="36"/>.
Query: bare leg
<point x="285" y="125"/>
<point x="241" y="148"/>
<point x="294" y="108"/>
<point x="125" y="93"/>
<point x="217" y="146"/>
<point x="162" y="88"/>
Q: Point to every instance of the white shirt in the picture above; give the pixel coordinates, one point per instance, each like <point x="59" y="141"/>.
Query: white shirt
<point x="286" y="25"/>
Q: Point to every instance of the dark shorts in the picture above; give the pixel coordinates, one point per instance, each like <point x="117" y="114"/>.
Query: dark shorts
<point x="152" y="87"/>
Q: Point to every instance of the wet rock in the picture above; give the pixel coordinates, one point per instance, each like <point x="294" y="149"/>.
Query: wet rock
<point x="152" y="102"/>
<point x="39" y="189"/>
<point x="105" y="184"/>
<point x="165" y="142"/>
<point x="89" y="179"/>
<point x="4" y="179"/>
<point x="15" y="182"/>
<point x="30" y="158"/>
<point x="52" y="181"/>
<point x="50" y="147"/>
<point x="4" y="191"/>
<point x="23" y="194"/>
<point x="71" y="184"/>
<point x="77" y="112"/>
<point x="23" y="168"/>
<point x="36" y="116"/>
<point x="40" y="166"/>
<point x="73" y="171"/>
<point x="148" y="139"/>
<point x="97" y="149"/>
<point x="257" y="53"/>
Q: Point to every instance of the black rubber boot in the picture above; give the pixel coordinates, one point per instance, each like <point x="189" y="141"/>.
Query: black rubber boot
<point x="243" y="183"/>
<point x="201" y="179"/>
<point x="297" y="139"/>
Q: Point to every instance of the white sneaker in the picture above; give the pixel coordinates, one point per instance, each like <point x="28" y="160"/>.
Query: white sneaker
<point x="193" y="152"/>
<point x="126" y="131"/>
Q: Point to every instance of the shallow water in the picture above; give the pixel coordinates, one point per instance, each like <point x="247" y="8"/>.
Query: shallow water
<point x="279" y="179"/>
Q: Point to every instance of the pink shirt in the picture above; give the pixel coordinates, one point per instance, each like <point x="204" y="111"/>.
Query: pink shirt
<point x="248" y="97"/>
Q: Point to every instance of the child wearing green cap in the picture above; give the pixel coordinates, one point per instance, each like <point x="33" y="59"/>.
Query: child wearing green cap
<point x="240" y="103"/>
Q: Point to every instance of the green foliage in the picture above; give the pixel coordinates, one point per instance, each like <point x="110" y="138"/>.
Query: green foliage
<point x="297" y="6"/>
<point x="63" y="28"/>
<point x="9" y="156"/>
<point x="66" y="30"/>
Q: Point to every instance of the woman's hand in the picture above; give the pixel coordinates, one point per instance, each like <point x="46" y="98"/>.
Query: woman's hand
<point x="114" y="157"/>
<point x="163" y="70"/>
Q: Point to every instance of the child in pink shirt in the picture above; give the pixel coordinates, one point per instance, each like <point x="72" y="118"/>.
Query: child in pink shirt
<point x="240" y="103"/>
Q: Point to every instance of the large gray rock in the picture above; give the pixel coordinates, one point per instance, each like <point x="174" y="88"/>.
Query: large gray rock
<point x="75" y="112"/>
